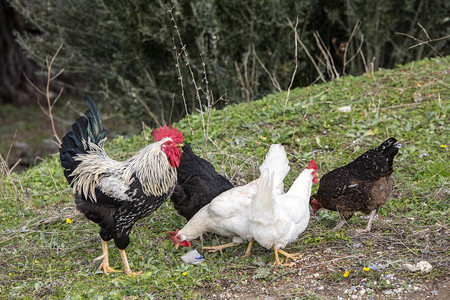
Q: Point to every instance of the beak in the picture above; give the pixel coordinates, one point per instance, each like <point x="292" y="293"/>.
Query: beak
<point x="180" y="145"/>
<point x="177" y="245"/>
<point x="317" y="175"/>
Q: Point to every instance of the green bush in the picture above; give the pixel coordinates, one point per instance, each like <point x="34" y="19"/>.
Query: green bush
<point x="123" y="50"/>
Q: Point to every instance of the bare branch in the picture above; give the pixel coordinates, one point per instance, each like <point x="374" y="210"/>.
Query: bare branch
<point x="295" y="68"/>
<point x="307" y="53"/>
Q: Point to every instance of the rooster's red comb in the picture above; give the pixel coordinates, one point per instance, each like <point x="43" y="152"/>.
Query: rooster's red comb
<point x="312" y="165"/>
<point x="162" y="132"/>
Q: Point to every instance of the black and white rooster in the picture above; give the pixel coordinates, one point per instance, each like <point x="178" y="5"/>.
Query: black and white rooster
<point x="116" y="194"/>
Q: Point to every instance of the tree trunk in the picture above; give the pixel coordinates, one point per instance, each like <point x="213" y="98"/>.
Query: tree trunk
<point x="14" y="88"/>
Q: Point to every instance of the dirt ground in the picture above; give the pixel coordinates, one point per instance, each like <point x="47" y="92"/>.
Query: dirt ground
<point x="374" y="261"/>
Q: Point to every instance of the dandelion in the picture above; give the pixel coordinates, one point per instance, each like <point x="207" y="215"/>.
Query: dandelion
<point x="443" y="146"/>
<point x="10" y="274"/>
<point x="68" y="221"/>
<point x="366" y="269"/>
<point x="346" y="273"/>
<point x="184" y="273"/>
<point x="36" y="261"/>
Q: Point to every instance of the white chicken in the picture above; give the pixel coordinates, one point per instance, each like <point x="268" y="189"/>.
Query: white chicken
<point x="276" y="220"/>
<point x="227" y="214"/>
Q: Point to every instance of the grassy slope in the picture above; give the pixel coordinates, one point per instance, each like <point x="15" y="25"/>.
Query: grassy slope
<point x="43" y="255"/>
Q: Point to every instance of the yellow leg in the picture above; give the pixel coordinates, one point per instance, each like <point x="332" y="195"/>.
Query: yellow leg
<point x="277" y="259"/>
<point x="105" y="262"/>
<point x="126" y="265"/>
<point x="281" y="251"/>
<point x="288" y="255"/>
<point x="249" y="247"/>
<point x="219" y="247"/>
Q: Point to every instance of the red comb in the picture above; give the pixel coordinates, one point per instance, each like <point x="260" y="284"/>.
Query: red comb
<point x="312" y="165"/>
<point x="173" y="233"/>
<point x="162" y="132"/>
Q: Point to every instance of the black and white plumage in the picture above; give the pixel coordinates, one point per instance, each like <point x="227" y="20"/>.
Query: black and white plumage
<point x="364" y="184"/>
<point x="116" y="194"/>
<point x="197" y="184"/>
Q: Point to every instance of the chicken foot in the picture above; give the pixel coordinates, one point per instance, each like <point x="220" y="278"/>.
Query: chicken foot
<point x="339" y="225"/>
<point x="219" y="247"/>
<point x="105" y="262"/>
<point x="281" y="251"/>
<point x="288" y="255"/>
<point x="249" y="248"/>
<point x="126" y="265"/>
<point x="369" y="224"/>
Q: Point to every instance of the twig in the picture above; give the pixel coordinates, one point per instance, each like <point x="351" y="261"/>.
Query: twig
<point x="188" y="65"/>
<point x="272" y="78"/>
<point x="426" y="42"/>
<point x="331" y="69"/>
<point x="180" y="78"/>
<point x="295" y="68"/>
<point x="10" y="146"/>
<point x="209" y="101"/>
<point x="50" y="104"/>
<point x="355" y="29"/>
<point x="307" y="53"/>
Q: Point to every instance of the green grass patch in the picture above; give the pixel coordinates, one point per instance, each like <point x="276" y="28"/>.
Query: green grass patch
<point x="44" y="256"/>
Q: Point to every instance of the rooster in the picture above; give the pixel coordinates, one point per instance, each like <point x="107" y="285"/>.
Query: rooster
<point x="276" y="220"/>
<point x="363" y="185"/>
<point x="116" y="194"/>
<point x="197" y="184"/>
<point x="227" y="214"/>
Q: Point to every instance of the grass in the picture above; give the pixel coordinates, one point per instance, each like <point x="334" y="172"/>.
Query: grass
<point x="47" y="248"/>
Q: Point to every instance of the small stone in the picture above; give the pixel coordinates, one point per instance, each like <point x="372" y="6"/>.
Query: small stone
<point x="345" y="109"/>
<point x="356" y="245"/>
<point x="389" y="276"/>
<point x="320" y="288"/>
<point x="387" y="292"/>
<point x="434" y="292"/>
<point x="354" y="296"/>
<point x="422" y="266"/>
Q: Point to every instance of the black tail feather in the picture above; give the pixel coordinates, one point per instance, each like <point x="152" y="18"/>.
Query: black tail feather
<point x="89" y="127"/>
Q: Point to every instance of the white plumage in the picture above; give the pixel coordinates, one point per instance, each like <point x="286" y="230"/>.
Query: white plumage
<point x="227" y="214"/>
<point x="276" y="220"/>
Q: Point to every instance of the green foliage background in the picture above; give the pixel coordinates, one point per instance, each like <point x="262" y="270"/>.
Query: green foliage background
<point x="124" y="49"/>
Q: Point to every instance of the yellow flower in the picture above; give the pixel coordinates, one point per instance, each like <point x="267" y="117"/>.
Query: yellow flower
<point x="68" y="221"/>
<point x="184" y="273"/>
<point x="418" y="84"/>
<point x="443" y="146"/>
<point x="366" y="269"/>
<point x="346" y="273"/>
<point x="9" y="274"/>
<point x="36" y="261"/>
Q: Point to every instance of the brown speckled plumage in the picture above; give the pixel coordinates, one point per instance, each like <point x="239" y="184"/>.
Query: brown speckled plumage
<point x="363" y="185"/>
